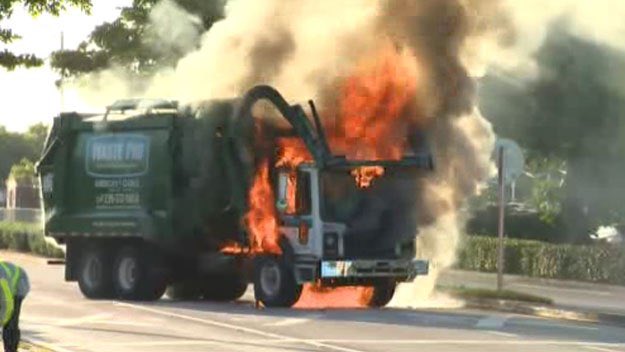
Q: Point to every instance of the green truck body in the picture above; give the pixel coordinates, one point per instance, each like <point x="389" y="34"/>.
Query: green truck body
<point x="147" y="199"/>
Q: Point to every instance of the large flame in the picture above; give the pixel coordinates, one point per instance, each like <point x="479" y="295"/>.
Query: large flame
<point x="320" y="297"/>
<point x="261" y="218"/>
<point x="374" y="108"/>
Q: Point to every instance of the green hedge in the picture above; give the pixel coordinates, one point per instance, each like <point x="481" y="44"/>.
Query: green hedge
<point x="596" y="263"/>
<point x="24" y="237"/>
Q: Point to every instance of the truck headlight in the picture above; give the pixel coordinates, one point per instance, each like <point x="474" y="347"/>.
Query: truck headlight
<point x="331" y="245"/>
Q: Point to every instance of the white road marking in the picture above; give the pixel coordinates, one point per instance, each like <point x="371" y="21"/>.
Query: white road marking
<point x="97" y="319"/>
<point x="329" y="344"/>
<point x="37" y="319"/>
<point x="492" y="322"/>
<point x="600" y="349"/>
<point x="596" y="346"/>
<point x="288" y="322"/>
<point x="124" y="323"/>
<point x="177" y="343"/>
<point x="504" y="334"/>
<point x="285" y="338"/>
<point x="473" y="342"/>
<point x="83" y="320"/>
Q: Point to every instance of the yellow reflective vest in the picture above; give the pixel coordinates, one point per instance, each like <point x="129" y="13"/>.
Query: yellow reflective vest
<point x="6" y="302"/>
<point x="9" y="279"/>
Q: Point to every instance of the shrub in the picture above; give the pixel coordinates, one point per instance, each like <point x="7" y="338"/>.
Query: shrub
<point x="596" y="263"/>
<point x="24" y="237"/>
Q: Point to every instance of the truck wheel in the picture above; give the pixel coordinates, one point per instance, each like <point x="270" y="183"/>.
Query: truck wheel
<point x="136" y="275"/>
<point x="382" y="294"/>
<point x="274" y="282"/>
<point x="94" y="273"/>
<point x="224" y="288"/>
<point x="184" y="290"/>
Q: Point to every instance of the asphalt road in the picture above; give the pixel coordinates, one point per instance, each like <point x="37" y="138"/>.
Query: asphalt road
<point x="56" y="315"/>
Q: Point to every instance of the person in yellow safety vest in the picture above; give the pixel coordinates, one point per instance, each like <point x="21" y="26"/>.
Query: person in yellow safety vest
<point x="14" y="286"/>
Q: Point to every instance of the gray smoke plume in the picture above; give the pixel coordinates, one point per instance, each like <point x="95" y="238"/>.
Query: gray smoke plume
<point x="305" y="48"/>
<point x="558" y="90"/>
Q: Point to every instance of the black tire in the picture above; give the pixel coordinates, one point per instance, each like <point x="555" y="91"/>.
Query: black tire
<point x="137" y="275"/>
<point x="224" y="288"/>
<point x="274" y="282"/>
<point x="95" y="273"/>
<point x="184" y="291"/>
<point x="382" y="294"/>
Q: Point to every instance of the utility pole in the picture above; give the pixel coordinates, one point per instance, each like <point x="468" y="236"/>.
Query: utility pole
<point x="502" y="206"/>
<point x="61" y="83"/>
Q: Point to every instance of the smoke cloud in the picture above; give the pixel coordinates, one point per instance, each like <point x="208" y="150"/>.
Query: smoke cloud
<point x="306" y="47"/>
<point x="172" y="30"/>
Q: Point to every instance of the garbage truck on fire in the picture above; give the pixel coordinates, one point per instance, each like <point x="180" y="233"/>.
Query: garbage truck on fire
<point x="148" y="198"/>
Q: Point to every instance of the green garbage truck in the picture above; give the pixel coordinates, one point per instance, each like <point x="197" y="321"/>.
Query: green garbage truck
<point x="146" y="197"/>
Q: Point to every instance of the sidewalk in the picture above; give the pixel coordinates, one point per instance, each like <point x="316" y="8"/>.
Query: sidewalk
<point x="574" y="295"/>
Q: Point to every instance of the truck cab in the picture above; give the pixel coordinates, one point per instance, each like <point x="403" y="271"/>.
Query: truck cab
<point x="340" y="233"/>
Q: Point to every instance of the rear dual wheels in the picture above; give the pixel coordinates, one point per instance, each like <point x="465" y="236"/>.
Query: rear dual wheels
<point x="94" y="273"/>
<point x="137" y="275"/>
<point x="274" y="282"/>
<point x="130" y="273"/>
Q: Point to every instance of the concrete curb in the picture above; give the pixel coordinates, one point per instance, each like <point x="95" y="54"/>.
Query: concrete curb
<point x="551" y="312"/>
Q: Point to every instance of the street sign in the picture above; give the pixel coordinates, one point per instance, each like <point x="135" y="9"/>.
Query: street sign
<point x="512" y="159"/>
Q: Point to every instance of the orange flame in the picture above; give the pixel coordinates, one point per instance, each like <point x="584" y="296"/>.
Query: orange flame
<point x="261" y="218"/>
<point x="320" y="297"/>
<point x="365" y="175"/>
<point x="292" y="152"/>
<point x="375" y="105"/>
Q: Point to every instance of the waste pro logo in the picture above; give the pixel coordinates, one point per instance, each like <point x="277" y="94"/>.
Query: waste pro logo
<point x="117" y="155"/>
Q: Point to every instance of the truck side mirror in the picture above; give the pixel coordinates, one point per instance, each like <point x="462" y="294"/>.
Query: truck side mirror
<point x="282" y="201"/>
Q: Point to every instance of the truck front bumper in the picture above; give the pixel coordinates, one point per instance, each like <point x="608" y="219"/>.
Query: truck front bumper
<point x="405" y="270"/>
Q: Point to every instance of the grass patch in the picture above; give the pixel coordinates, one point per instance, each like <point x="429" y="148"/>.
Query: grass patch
<point x="468" y="293"/>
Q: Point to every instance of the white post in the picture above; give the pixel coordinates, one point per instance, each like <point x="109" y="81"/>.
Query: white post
<point x="513" y="191"/>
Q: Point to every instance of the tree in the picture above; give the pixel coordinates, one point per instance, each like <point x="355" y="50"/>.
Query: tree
<point x="126" y="42"/>
<point x="546" y="195"/>
<point x="8" y="59"/>
<point x="36" y="136"/>
<point x="15" y="147"/>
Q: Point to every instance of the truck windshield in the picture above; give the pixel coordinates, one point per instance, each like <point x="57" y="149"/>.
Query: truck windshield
<point x="341" y="195"/>
<point x="344" y="201"/>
